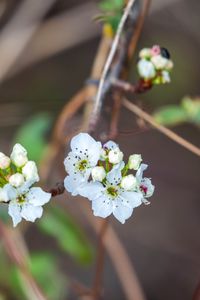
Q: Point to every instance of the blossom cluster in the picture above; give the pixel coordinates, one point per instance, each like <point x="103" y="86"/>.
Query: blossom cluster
<point x="99" y="173"/>
<point x="154" y="65"/>
<point x="17" y="176"/>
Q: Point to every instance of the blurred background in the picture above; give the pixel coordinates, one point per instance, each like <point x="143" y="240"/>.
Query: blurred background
<point x="46" y="54"/>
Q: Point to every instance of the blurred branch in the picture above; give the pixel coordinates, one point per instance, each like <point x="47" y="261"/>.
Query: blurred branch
<point x="17" y="33"/>
<point x="170" y="134"/>
<point x="54" y="36"/>
<point x="16" y="249"/>
<point x="98" y="100"/>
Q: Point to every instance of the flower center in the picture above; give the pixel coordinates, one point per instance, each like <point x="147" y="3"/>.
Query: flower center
<point x="143" y="189"/>
<point x="112" y="191"/>
<point x="21" y="199"/>
<point x="82" y="165"/>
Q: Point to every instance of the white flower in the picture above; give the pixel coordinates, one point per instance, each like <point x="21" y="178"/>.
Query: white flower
<point x="159" y="61"/>
<point x="98" y="173"/>
<point x="146" y="69"/>
<point x="27" y="205"/>
<point x="80" y="161"/>
<point x="129" y="182"/>
<point x="19" y="155"/>
<point x="145" y="53"/>
<point x="134" y="161"/>
<point x="30" y="171"/>
<point x="110" y="197"/>
<point x="115" y="156"/>
<point x="165" y="77"/>
<point x="145" y="185"/>
<point x="4" y="161"/>
<point x="16" y="180"/>
<point x="4" y="193"/>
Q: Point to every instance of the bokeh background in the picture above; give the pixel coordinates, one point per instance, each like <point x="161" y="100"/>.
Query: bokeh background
<point x="36" y="81"/>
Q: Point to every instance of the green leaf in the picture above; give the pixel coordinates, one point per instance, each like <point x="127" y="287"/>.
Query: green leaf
<point x="32" y="135"/>
<point x="111" y="5"/>
<point x="170" y="115"/>
<point x="68" y="234"/>
<point x="192" y="109"/>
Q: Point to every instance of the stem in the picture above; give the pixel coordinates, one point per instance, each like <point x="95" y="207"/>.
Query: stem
<point x="100" y="260"/>
<point x="170" y="134"/>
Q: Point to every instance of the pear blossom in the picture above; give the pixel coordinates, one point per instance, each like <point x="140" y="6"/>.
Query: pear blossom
<point x="106" y="180"/>
<point x="111" y="198"/>
<point x="145" y="185"/>
<point x="134" y="161"/>
<point x="26" y="204"/>
<point x="80" y="161"/>
<point x="115" y="156"/>
<point x="154" y="65"/>
<point x="98" y="173"/>
<point x="16" y="180"/>
<point x="19" y="155"/>
<point x="30" y="171"/>
<point x="4" y="161"/>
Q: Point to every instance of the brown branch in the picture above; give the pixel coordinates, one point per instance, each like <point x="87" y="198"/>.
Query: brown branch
<point x="170" y="134"/>
<point x="15" y="248"/>
<point x="100" y="260"/>
<point x="196" y="295"/>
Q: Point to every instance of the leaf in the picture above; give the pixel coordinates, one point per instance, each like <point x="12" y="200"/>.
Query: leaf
<point x="111" y="5"/>
<point x="192" y="108"/>
<point x="70" y="237"/>
<point x="32" y="135"/>
<point x="170" y="115"/>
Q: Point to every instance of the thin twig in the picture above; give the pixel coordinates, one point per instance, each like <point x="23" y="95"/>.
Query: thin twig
<point x="97" y="105"/>
<point x="15" y="248"/>
<point x="169" y="133"/>
<point x="100" y="260"/>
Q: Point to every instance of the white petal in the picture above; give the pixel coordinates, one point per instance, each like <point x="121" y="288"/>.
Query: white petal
<point x="121" y="212"/>
<point x="70" y="163"/>
<point x="110" y="145"/>
<point x="30" y="171"/>
<point x="10" y="191"/>
<point x="114" y="176"/>
<point x="14" y="211"/>
<point x="25" y="187"/>
<point x="73" y="184"/>
<point x="91" y="190"/>
<point x="131" y="199"/>
<point x="37" y="196"/>
<point x="139" y="173"/>
<point x="30" y="212"/>
<point x="102" y="207"/>
<point x="150" y="187"/>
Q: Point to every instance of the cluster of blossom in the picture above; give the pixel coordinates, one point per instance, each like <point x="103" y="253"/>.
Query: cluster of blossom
<point x="99" y="173"/>
<point x="17" y="176"/>
<point x="154" y="65"/>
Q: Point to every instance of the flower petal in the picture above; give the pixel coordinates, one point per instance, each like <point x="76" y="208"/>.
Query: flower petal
<point x="91" y="190"/>
<point x="102" y="207"/>
<point x="114" y="176"/>
<point x="121" y="212"/>
<point x="110" y="145"/>
<point x="14" y="211"/>
<point x="131" y="199"/>
<point x="30" y="212"/>
<point x="139" y="173"/>
<point x="74" y="183"/>
<point x="37" y="197"/>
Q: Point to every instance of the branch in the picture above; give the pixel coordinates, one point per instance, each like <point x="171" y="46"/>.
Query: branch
<point x="170" y="134"/>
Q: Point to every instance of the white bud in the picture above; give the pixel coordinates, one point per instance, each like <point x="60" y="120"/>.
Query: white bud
<point x="3" y="195"/>
<point x="129" y="182"/>
<point x="4" y="161"/>
<point x="165" y="77"/>
<point x="16" y="180"/>
<point x="98" y="173"/>
<point x="169" y="65"/>
<point x="115" y="156"/>
<point x="146" y="69"/>
<point x="19" y="155"/>
<point x="103" y="154"/>
<point x="159" y="62"/>
<point x="134" y="161"/>
<point x="144" y="53"/>
<point x="30" y="171"/>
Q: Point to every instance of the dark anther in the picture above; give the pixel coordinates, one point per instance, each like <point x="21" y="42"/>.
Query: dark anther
<point x="165" y="53"/>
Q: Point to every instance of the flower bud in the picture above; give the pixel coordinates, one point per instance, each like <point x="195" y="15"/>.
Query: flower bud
<point x="134" y="161"/>
<point x="30" y="171"/>
<point x="145" y="53"/>
<point x="129" y="182"/>
<point x="115" y="156"/>
<point x="103" y="154"/>
<point x="4" y="161"/>
<point x="155" y="50"/>
<point x="16" y="180"/>
<point x="159" y="61"/>
<point x="146" y="69"/>
<point x="98" y="173"/>
<point x="19" y="155"/>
